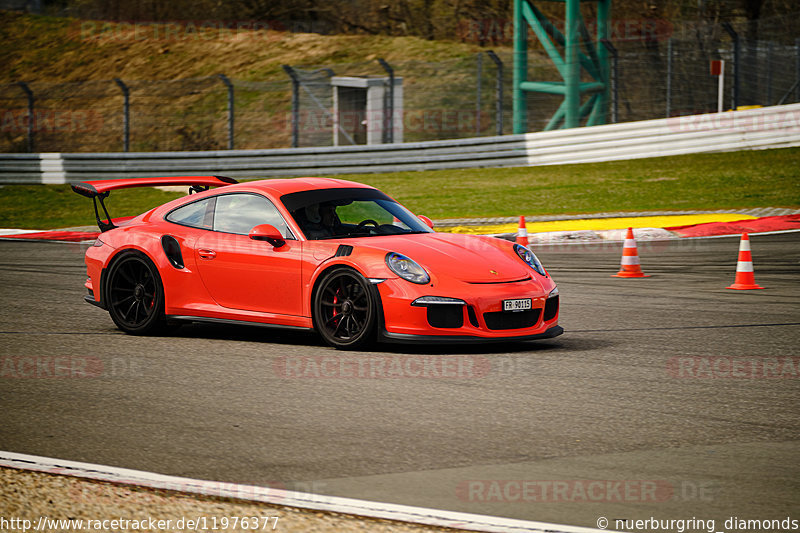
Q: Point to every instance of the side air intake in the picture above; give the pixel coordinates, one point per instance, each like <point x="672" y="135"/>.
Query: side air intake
<point x="172" y="250"/>
<point x="344" y="250"/>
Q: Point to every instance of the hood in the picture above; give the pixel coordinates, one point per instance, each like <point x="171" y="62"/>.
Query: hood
<point x="469" y="258"/>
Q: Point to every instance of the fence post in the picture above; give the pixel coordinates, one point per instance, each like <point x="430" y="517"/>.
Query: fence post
<point x="388" y="110"/>
<point x="735" y="37"/>
<point x="572" y="67"/>
<point x="296" y="84"/>
<point x="126" y="110"/>
<point x="769" y="72"/>
<point x="295" y="104"/>
<point x="478" y="95"/>
<point x="520" y="60"/>
<point x="614" y="80"/>
<point x="669" y="75"/>
<point x="229" y="85"/>
<point x="797" y="70"/>
<point x="498" y="91"/>
<point x="29" y="95"/>
<point x="721" y="87"/>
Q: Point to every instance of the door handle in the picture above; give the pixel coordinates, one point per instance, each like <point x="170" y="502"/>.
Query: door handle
<point x="205" y="253"/>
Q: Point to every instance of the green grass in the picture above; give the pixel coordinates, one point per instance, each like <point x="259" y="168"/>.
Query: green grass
<point x="763" y="178"/>
<point x="56" y="206"/>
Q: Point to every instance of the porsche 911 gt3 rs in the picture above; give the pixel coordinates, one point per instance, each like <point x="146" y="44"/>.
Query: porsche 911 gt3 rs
<point x="335" y="256"/>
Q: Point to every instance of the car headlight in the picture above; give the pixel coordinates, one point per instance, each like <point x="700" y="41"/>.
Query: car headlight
<point x="407" y="268"/>
<point x="530" y="258"/>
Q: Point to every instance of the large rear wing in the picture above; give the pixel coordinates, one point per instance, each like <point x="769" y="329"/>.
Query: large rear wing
<point x="99" y="190"/>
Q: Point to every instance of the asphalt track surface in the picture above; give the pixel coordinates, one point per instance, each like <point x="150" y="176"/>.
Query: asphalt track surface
<point x="606" y="401"/>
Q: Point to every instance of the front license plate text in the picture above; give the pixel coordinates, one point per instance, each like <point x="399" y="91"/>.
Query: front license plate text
<point x="519" y="304"/>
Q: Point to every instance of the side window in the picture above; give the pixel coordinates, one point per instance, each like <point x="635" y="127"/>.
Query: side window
<point x="196" y="214"/>
<point x="239" y="213"/>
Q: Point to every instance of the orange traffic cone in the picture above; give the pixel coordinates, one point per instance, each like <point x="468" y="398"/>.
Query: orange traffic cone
<point x="745" y="280"/>
<point x="522" y="232"/>
<point x="629" y="267"/>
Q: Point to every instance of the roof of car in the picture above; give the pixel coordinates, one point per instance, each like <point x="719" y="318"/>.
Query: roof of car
<point x="280" y="187"/>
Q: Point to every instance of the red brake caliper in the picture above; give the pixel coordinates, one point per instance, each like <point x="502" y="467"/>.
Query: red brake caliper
<point x="335" y="312"/>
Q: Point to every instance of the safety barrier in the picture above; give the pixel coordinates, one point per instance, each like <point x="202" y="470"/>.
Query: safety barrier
<point x="770" y="127"/>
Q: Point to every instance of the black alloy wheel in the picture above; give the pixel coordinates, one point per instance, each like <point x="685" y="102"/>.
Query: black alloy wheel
<point x="344" y="310"/>
<point x="135" y="295"/>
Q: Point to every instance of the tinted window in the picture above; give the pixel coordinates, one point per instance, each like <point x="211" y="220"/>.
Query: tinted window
<point x="196" y="214"/>
<point x="239" y="213"/>
<point x="296" y="200"/>
<point x="353" y="217"/>
<point x="364" y="210"/>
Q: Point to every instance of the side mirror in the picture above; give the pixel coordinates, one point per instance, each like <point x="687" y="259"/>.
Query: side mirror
<point x="428" y="222"/>
<point x="269" y="233"/>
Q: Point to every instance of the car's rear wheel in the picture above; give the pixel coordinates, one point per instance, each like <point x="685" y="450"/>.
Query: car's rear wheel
<point x="344" y="310"/>
<point x="135" y="295"/>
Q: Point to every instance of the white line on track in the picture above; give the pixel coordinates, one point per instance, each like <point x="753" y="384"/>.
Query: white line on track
<point x="387" y="511"/>
<point x="13" y="231"/>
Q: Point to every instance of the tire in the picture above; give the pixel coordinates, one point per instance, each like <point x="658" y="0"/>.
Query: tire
<point x="135" y="295"/>
<point x="344" y="311"/>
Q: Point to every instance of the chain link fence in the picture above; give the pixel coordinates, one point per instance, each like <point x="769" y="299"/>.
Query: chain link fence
<point x="168" y="115"/>
<point x="661" y="73"/>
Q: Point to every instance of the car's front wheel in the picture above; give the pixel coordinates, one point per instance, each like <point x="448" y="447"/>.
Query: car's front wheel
<point x="344" y="310"/>
<point x="135" y="295"/>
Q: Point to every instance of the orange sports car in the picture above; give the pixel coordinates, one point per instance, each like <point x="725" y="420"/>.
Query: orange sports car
<point x="335" y="256"/>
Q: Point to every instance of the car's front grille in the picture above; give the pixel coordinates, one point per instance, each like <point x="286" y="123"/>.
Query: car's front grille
<point x="550" y="308"/>
<point x="446" y="316"/>
<point x="473" y="318"/>
<point x="512" y="320"/>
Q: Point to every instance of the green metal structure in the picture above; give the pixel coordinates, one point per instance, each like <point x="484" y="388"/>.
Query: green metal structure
<point x="583" y="59"/>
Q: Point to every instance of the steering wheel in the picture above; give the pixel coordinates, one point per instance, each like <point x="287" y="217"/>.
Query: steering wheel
<point x="363" y="223"/>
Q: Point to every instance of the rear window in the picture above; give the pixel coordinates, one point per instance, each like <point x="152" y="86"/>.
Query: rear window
<point x="196" y="214"/>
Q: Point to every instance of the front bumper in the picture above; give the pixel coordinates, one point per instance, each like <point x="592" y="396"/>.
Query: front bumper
<point x="404" y="338"/>
<point x="479" y="318"/>
<point x="90" y="300"/>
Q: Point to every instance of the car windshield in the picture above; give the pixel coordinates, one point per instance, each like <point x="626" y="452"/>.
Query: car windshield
<point x="350" y="212"/>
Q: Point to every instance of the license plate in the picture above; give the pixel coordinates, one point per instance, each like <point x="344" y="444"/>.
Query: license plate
<point x="519" y="304"/>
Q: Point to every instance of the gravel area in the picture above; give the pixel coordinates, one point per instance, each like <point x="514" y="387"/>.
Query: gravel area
<point x="28" y="495"/>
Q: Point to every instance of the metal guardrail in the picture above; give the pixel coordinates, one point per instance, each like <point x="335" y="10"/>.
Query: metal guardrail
<point x="752" y="129"/>
<point x="772" y="127"/>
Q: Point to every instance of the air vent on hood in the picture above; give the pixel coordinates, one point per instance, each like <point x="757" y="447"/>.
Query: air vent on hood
<point x="526" y="278"/>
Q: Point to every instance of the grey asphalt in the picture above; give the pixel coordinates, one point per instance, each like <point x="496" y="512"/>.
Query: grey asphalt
<point x="679" y="395"/>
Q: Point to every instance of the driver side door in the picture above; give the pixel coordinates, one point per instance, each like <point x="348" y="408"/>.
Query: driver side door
<point x="245" y="274"/>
